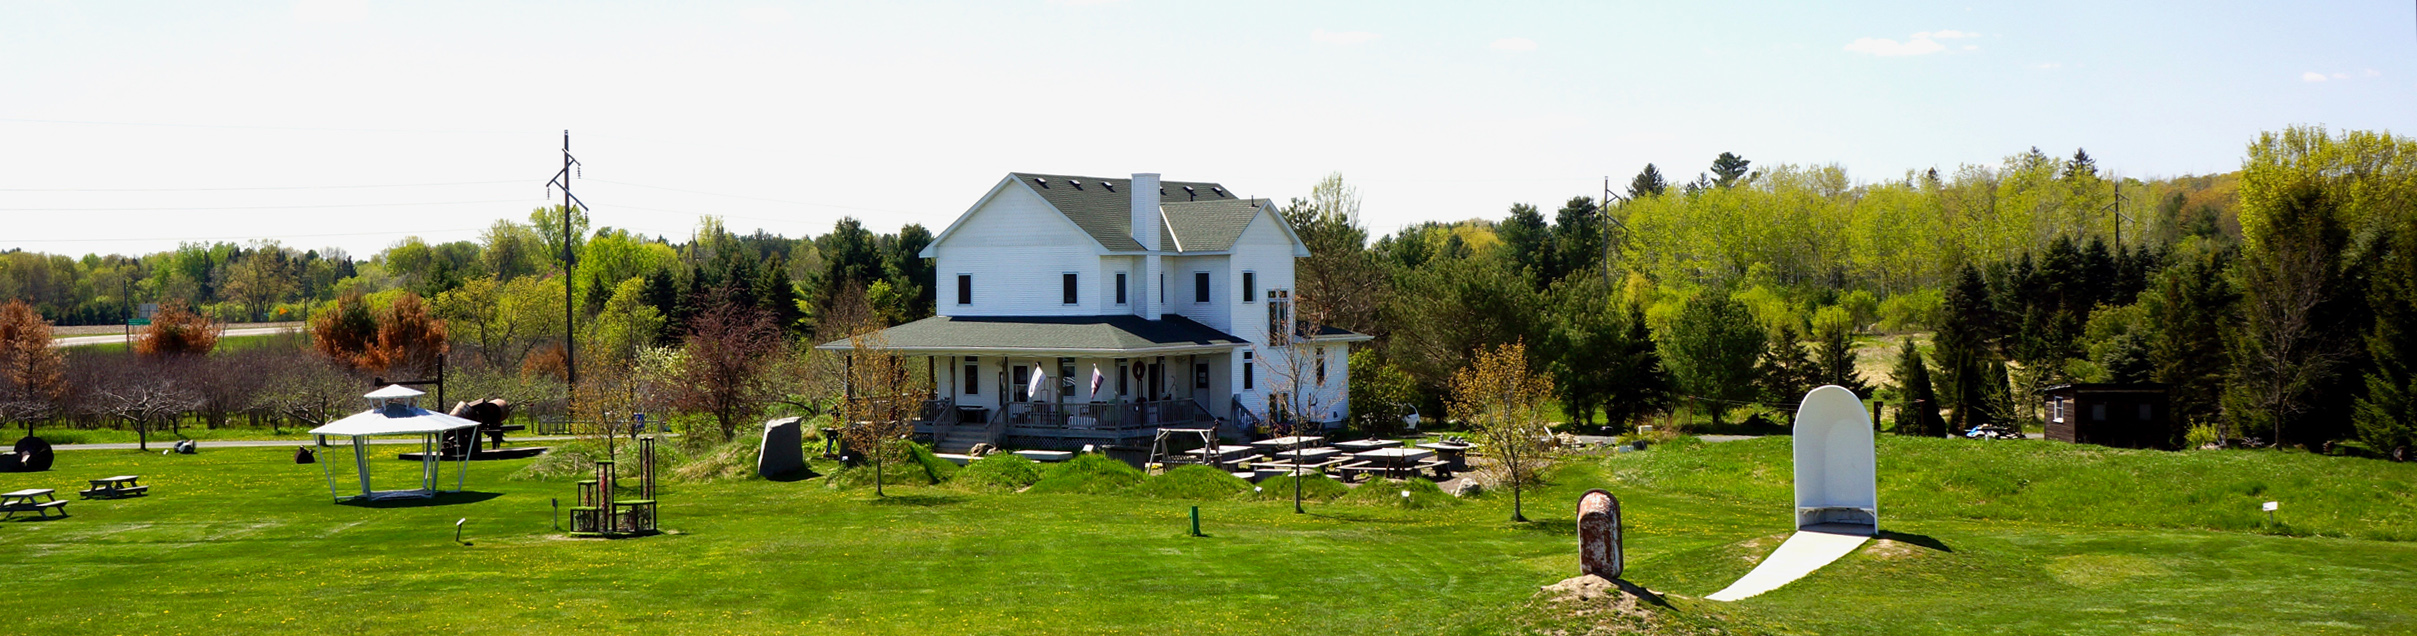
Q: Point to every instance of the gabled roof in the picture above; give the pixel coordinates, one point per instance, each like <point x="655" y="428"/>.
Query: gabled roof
<point x="1198" y="216"/>
<point x="1121" y="334"/>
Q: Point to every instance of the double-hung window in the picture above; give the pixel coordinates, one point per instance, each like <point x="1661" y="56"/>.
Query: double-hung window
<point x="1120" y="288"/>
<point x="1200" y="287"/>
<point x="965" y="289"/>
<point x="1072" y="282"/>
<point x="1250" y="286"/>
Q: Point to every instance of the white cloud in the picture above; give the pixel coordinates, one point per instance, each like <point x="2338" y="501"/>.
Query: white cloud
<point x="1341" y="37"/>
<point x="328" y="11"/>
<point x="766" y="13"/>
<point x="2312" y="76"/>
<point x="1515" y="44"/>
<point x="1923" y="43"/>
<point x="1885" y="47"/>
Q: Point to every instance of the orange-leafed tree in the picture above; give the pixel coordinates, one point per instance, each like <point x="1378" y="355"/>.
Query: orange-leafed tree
<point x="402" y="338"/>
<point x="347" y="334"/>
<point x="32" y="373"/>
<point x="177" y="330"/>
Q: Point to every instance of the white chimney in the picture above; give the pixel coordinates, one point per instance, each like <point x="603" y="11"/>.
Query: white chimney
<point x="1145" y="231"/>
<point x="1145" y="209"/>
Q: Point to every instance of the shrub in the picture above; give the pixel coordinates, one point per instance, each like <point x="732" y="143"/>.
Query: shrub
<point x="999" y="472"/>
<point x="1314" y="487"/>
<point x="1089" y="473"/>
<point x="1192" y="482"/>
<point x="1387" y="492"/>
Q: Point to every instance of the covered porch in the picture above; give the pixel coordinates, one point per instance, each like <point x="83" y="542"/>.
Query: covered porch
<point x="1066" y="382"/>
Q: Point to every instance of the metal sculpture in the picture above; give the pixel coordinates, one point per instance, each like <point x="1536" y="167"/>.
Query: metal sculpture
<point x="599" y="514"/>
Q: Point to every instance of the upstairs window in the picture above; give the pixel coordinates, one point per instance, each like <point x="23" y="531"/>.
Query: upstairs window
<point x="1200" y="287"/>
<point x="1250" y="286"/>
<point x="1072" y="296"/>
<point x="965" y="289"/>
<point x="1321" y="366"/>
<point x="1120" y="288"/>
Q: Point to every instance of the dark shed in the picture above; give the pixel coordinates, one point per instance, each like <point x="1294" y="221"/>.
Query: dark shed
<point x="2120" y="415"/>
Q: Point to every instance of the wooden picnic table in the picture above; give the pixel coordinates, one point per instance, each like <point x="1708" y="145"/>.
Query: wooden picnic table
<point x="1364" y="445"/>
<point x="1456" y="454"/>
<point x="114" y="487"/>
<point x="1289" y="443"/>
<point x="39" y="501"/>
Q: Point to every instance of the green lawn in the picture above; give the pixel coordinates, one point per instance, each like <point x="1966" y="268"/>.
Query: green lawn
<point x="244" y="541"/>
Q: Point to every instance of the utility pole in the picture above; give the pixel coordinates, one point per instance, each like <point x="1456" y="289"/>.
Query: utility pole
<point x="570" y="309"/>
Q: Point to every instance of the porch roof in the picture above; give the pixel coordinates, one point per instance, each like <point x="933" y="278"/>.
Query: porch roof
<point x="1119" y="335"/>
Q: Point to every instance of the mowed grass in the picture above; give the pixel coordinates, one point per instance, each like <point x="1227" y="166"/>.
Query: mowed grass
<point x="244" y="541"/>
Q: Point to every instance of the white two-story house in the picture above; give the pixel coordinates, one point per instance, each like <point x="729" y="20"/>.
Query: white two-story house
<point x="1077" y="310"/>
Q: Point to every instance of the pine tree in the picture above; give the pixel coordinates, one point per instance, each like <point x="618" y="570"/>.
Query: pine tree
<point x="1920" y="403"/>
<point x="1648" y="183"/>
<point x="1783" y="373"/>
<point x="1728" y="170"/>
<point x="2386" y="417"/>
<point x="777" y="296"/>
<point x="1834" y="362"/>
<point x="1963" y="348"/>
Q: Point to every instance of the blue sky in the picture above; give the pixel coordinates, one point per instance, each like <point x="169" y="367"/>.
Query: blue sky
<point x="786" y="116"/>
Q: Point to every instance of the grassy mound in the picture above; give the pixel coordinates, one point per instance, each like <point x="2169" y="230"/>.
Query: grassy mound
<point x="999" y="472"/>
<point x="1088" y="473"/>
<point x="1314" y="487"/>
<point x="733" y="460"/>
<point x="1387" y="492"/>
<point x="1198" y="483"/>
<point x="920" y="468"/>
<point x="2070" y="483"/>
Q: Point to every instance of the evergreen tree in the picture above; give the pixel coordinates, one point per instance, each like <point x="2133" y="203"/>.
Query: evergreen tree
<point x="1648" y="183"/>
<point x="2081" y="166"/>
<point x="1834" y="362"/>
<point x="1577" y="238"/>
<point x="1728" y="169"/>
<point x="1639" y="385"/>
<point x="1783" y="373"/>
<point x="1919" y="412"/>
<point x="1528" y="242"/>
<point x="1963" y="349"/>
<point x="2190" y="308"/>
<point x="2386" y="416"/>
<point x="1711" y="349"/>
<point x="776" y="294"/>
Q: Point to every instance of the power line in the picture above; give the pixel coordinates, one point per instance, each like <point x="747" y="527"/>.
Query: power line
<point x="239" y="238"/>
<point x="323" y="187"/>
<point x="261" y="207"/>
<point x="742" y="196"/>
<point x="295" y="128"/>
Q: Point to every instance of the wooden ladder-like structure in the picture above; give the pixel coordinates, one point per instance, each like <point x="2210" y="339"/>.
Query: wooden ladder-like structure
<point x="599" y="514"/>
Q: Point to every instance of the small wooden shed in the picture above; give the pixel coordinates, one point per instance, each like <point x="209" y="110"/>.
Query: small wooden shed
<point x="2120" y="415"/>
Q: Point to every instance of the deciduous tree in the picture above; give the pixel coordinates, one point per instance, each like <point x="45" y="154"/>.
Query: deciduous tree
<point x="1502" y="401"/>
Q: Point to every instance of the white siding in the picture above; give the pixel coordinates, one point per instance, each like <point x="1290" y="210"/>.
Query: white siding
<point x="1017" y="248"/>
<point x="1182" y="274"/>
<point x="1263" y="248"/>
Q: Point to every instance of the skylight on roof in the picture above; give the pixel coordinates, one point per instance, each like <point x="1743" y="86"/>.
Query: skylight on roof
<point x="1078" y="183"/>
<point x="1044" y="182"/>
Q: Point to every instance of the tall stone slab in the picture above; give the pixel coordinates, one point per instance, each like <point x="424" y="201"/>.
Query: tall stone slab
<point x="784" y="448"/>
<point x="1600" y="552"/>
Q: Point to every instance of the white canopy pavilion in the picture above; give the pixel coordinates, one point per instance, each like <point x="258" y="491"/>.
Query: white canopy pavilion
<point x="391" y="413"/>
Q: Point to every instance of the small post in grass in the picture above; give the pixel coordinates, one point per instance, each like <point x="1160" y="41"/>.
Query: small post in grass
<point x="2270" y="506"/>
<point x="557" y="513"/>
<point x="457" y="531"/>
<point x="1196" y="521"/>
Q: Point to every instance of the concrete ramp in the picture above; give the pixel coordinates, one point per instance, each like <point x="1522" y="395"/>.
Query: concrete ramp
<point x="1804" y="552"/>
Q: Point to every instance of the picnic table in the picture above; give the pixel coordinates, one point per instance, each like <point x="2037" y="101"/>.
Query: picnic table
<point x="1456" y="455"/>
<point x="39" y="501"/>
<point x="1289" y="443"/>
<point x="1304" y="455"/>
<point x="114" y="487"/>
<point x="1365" y="445"/>
<point x="1393" y="462"/>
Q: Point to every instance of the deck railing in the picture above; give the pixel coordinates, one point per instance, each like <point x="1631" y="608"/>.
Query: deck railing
<point x="1125" y="416"/>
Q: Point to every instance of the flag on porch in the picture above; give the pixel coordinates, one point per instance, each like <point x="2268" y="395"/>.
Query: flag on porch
<point x="1096" y="379"/>
<point x="1035" y="390"/>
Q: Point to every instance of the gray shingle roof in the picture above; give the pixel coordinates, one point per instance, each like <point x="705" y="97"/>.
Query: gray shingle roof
<point x="1205" y="218"/>
<point x="1104" y="334"/>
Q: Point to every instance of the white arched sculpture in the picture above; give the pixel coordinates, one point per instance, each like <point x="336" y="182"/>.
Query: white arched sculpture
<point x="1837" y="493"/>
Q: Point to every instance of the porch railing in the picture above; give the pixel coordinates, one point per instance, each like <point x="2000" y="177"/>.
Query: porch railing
<point x="1126" y="416"/>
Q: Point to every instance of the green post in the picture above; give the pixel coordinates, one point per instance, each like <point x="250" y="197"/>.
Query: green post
<point x="1195" y="521"/>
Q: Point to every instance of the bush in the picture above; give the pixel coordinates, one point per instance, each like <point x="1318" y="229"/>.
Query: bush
<point x="999" y="472"/>
<point x="1192" y="482"/>
<point x="1387" y="492"/>
<point x="1314" y="487"/>
<point x="1088" y="473"/>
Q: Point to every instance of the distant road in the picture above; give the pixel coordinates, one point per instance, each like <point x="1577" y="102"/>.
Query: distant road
<point x="257" y="443"/>
<point x="85" y="341"/>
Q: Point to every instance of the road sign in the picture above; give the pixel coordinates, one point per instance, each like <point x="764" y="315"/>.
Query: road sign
<point x="139" y="322"/>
